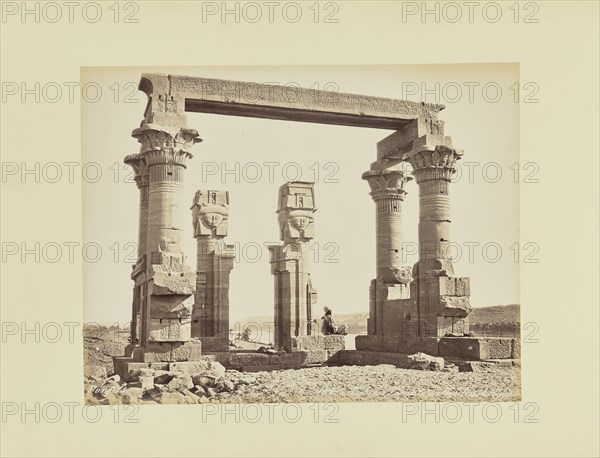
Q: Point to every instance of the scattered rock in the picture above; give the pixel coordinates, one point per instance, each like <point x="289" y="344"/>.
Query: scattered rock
<point x="423" y="362"/>
<point x="210" y="392"/>
<point x="109" y="399"/>
<point x="163" y="377"/>
<point x="94" y="372"/>
<point x="168" y="397"/>
<point x="114" y="378"/>
<point x="136" y="374"/>
<point x="180" y="383"/>
<point x="204" y="380"/>
<point x="475" y="366"/>
<point x="131" y="395"/>
<point x="218" y="369"/>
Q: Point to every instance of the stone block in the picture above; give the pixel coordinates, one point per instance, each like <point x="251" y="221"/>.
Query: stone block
<point x="335" y="342"/>
<point x="423" y="361"/>
<point x="412" y="345"/>
<point x="516" y="349"/>
<point x="499" y="349"/>
<point x="478" y="348"/>
<point x="288" y="359"/>
<point x="214" y="344"/>
<point x="463" y="286"/>
<point x="159" y="366"/>
<point x="450" y="325"/>
<point x="319" y="342"/>
<point x="171" y="306"/>
<point x="191" y="367"/>
<point x="333" y="356"/>
<point x="172" y="351"/>
<point x="462" y="347"/>
<point x="253" y="359"/>
<point x="308" y="343"/>
<point x="173" y="283"/>
<point x="371" y="358"/>
<point x="267" y="368"/>
<point x="389" y="344"/>
<point x="314" y="357"/>
<point x="169" y="330"/>
<point x="363" y="342"/>
<point x="445" y="286"/>
<point x="354" y="357"/>
<point x="397" y="291"/>
<point x="455" y="306"/>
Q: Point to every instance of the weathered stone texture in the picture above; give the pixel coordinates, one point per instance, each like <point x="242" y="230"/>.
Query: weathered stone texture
<point x="319" y="342"/>
<point x="479" y="348"/>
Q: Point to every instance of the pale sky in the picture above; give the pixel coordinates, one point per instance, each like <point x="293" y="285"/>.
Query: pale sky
<point x="484" y="211"/>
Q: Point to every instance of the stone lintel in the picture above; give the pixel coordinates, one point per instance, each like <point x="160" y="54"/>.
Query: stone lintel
<point x="171" y="95"/>
<point x="397" y="144"/>
<point x="429" y="143"/>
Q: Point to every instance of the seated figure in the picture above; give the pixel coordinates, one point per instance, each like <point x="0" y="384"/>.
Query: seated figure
<point x="330" y="326"/>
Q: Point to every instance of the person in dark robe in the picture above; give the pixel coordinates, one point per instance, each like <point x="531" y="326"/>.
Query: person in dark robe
<point x="330" y="327"/>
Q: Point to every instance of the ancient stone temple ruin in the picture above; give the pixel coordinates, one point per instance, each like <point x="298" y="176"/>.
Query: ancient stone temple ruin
<point x="180" y="315"/>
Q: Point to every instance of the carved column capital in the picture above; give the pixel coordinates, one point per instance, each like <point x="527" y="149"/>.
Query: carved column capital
<point x="387" y="183"/>
<point x="141" y="174"/>
<point x="433" y="158"/>
<point x="166" y="144"/>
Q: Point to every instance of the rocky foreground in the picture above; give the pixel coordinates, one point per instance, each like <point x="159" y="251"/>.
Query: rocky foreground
<point x="316" y="384"/>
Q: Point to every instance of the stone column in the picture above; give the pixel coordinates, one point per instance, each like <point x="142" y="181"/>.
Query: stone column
<point x="392" y="275"/>
<point x="210" y="319"/>
<point x="170" y="283"/>
<point x="290" y="264"/>
<point x="442" y="299"/>
<point x="137" y="162"/>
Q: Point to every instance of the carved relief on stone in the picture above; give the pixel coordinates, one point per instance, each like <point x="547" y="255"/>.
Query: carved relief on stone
<point x="291" y="252"/>
<point x="167" y="262"/>
<point x="297" y="224"/>
<point x="210" y="213"/>
<point x="296" y="208"/>
<point x="165" y="103"/>
<point x="402" y="274"/>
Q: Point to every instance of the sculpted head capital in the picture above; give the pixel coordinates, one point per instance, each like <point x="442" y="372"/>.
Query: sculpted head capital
<point x="210" y="213"/>
<point x="295" y="212"/>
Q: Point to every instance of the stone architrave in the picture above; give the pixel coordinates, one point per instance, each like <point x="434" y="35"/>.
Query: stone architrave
<point x="393" y="276"/>
<point x="290" y="264"/>
<point x="210" y="319"/>
<point x="441" y="299"/>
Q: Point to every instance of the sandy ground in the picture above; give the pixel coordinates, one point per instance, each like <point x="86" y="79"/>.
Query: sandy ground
<point x="374" y="383"/>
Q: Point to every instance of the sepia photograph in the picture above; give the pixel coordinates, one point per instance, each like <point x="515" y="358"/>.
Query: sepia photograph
<point x="294" y="242"/>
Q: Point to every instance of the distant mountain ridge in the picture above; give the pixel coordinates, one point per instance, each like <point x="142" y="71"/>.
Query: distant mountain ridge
<point x="357" y="322"/>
